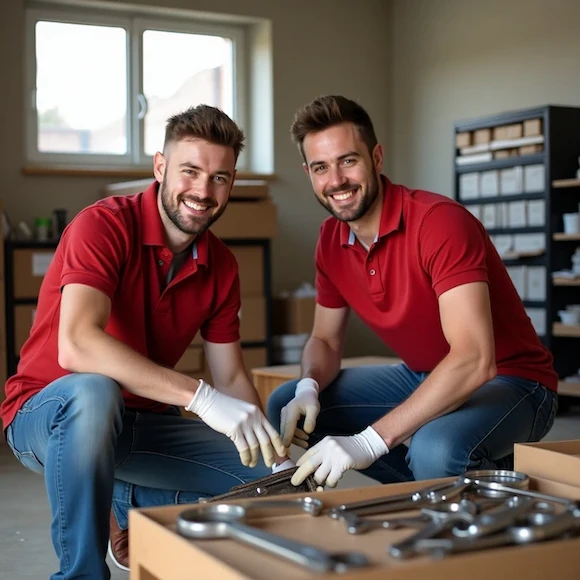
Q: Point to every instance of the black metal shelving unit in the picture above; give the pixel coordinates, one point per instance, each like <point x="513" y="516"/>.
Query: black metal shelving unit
<point x="561" y="149"/>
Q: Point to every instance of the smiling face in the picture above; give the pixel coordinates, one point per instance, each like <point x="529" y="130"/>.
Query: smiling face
<point x="343" y="173"/>
<point x="196" y="179"/>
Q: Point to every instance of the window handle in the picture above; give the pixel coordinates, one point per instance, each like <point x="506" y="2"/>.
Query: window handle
<point x="143" y="106"/>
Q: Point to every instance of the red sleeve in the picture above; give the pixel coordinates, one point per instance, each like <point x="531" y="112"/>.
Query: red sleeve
<point x="327" y="294"/>
<point x="224" y="324"/>
<point x="452" y="247"/>
<point x="94" y="250"/>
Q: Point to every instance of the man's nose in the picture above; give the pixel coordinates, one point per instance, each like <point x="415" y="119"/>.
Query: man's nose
<point x="336" y="177"/>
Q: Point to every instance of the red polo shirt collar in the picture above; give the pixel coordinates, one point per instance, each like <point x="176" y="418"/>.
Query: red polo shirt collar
<point x="391" y="213"/>
<point x="153" y="232"/>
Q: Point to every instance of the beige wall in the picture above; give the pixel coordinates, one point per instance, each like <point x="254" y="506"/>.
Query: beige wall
<point x="457" y="59"/>
<point x="319" y="47"/>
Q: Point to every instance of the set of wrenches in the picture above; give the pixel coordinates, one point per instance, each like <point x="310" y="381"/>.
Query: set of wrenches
<point x="479" y="510"/>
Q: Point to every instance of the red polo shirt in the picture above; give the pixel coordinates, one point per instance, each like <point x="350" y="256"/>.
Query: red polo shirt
<point x="117" y="246"/>
<point x="426" y="245"/>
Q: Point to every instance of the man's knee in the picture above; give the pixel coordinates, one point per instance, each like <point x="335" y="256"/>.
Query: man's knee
<point x="432" y="457"/>
<point x="94" y="404"/>
<point x="278" y="400"/>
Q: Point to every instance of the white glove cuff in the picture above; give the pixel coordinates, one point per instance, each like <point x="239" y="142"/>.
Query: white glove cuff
<point x="307" y="385"/>
<point x="202" y="399"/>
<point x="375" y="442"/>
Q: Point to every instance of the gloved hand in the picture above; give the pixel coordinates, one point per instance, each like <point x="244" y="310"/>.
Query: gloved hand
<point x="243" y="422"/>
<point x="305" y="403"/>
<point x="332" y="456"/>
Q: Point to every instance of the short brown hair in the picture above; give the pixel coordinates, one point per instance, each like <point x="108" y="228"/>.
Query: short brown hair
<point x="205" y="122"/>
<point x="327" y="111"/>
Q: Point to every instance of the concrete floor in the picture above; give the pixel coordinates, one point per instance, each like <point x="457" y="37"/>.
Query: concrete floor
<point x="25" y="548"/>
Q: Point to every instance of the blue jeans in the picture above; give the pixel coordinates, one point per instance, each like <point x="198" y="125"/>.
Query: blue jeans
<point x="94" y="453"/>
<point x="478" y="435"/>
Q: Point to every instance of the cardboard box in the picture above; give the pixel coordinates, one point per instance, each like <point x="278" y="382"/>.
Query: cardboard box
<point x="536" y="212"/>
<point x="534" y="178"/>
<point x="247" y="220"/>
<point x="463" y="140"/>
<point x="533" y="127"/>
<point x="555" y="460"/>
<point x="500" y="133"/>
<point x="536" y="283"/>
<point x="23" y="319"/>
<point x="30" y="266"/>
<point x="481" y="136"/>
<point x="489" y="216"/>
<point x="530" y="149"/>
<point x="489" y="183"/>
<point x="253" y="319"/>
<point x="293" y="315"/>
<point x="158" y="552"/>
<point x="511" y="181"/>
<point x="250" y="261"/>
<point x="514" y="131"/>
<point x="191" y="362"/>
<point x="469" y="186"/>
<point x="517" y="214"/>
<point x="254" y="357"/>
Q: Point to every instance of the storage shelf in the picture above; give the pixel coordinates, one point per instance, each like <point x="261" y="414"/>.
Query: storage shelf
<point x="562" y="237"/>
<point x="561" y="183"/>
<point x="569" y="389"/>
<point x="571" y="330"/>
<point x="520" y="255"/>
<point x="500" y="163"/>
<point x="504" y="198"/>
<point x="504" y="231"/>
<point x="565" y="282"/>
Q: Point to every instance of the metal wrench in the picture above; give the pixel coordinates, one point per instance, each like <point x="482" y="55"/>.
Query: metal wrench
<point x="539" y="526"/>
<point x="218" y="520"/>
<point x="440" y="523"/>
<point x="356" y="524"/>
<point x="403" y="502"/>
<point x="497" y="518"/>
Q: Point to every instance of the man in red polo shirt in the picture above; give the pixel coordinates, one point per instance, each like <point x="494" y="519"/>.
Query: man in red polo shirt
<point x="421" y="272"/>
<point x="95" y="398"/>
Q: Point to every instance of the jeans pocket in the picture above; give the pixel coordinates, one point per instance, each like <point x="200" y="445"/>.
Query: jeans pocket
<point x="27" y="458"/>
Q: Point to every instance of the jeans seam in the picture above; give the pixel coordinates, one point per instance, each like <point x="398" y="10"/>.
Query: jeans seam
<point x="194" y="461"/>
<point x="133" y="440"/>
<point x="64" y="551"/>
<point x="469" y="455"/>
<point x="537" y="415"/>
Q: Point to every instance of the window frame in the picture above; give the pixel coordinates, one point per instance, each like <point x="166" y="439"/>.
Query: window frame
<point x="134" y="24"/>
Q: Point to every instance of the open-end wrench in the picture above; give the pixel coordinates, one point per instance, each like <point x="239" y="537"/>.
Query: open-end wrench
<point x="216" y="520"/>
<point x="497" y="518"/>
<point x="539" y="526"/>
<point x="440" y="523"/>
<point x="356" y="524"/>
<point x="403" y="502"/>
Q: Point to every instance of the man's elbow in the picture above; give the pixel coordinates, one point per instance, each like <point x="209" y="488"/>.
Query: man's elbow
<point x="486" y="370"/>
<point x="69" y="355"/>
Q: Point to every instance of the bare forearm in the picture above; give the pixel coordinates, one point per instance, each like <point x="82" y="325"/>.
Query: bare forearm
<point x="98" y="352"/>
<point x="241" y="387"/>
<point x="450" y="384"/>
<point x="320" y="362"/>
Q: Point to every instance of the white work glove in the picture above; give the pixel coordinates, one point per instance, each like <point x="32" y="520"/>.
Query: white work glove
<point x="243" y="422"/>
<point x="332" y="456"/>
<point x="305" y="403"/>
